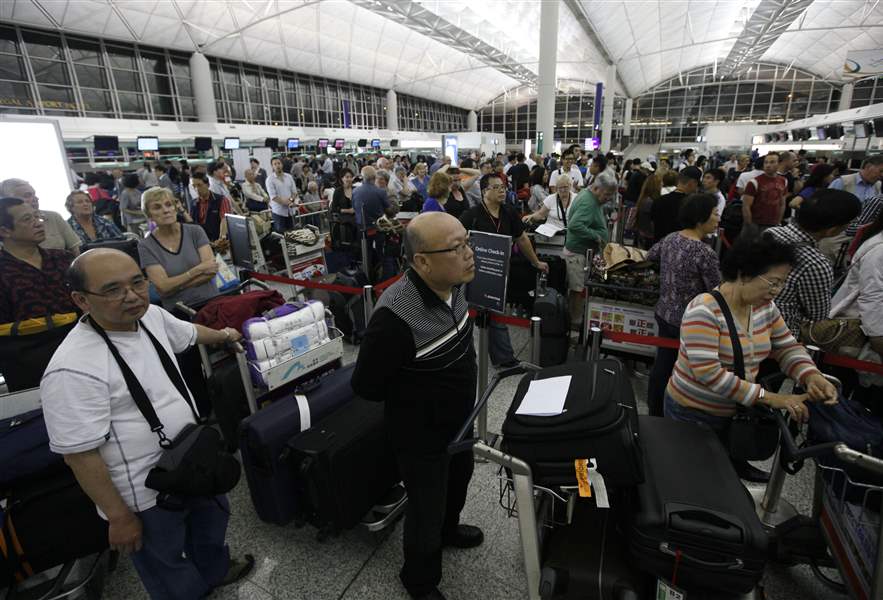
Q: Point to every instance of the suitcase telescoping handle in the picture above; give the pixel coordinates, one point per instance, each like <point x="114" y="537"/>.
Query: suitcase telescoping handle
<point x="459" y="444"/>
<point x="733" y="564"/>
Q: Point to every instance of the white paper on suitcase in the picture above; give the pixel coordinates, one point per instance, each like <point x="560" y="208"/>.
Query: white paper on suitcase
<point x="545" y="397"/>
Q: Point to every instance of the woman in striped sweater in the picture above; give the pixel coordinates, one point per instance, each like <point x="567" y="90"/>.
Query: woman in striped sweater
<point x="703" y="387"/>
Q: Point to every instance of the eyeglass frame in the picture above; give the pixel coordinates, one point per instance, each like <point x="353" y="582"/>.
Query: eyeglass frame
<point x="773" y="286"/>
<point x="111" y="295"/>
<point x="467" y="244"/>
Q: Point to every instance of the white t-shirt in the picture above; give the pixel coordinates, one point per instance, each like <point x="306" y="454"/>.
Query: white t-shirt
<point x="745" y="177"/>
<point x="87" y="404"/>
<point x="556" y="216"/>
<point x="576" y="178"/>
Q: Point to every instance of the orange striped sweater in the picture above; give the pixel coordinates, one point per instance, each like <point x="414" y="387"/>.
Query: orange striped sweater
<point x="703" y="376"/>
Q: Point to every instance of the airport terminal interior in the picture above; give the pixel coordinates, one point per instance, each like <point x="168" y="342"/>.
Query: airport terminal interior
<point x="389" y="299"/>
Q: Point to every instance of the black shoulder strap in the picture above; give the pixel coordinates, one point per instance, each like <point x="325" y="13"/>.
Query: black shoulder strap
<point x="562" y="214"/>
<point x="738" y="360"/>
<point x="137" y="390"/>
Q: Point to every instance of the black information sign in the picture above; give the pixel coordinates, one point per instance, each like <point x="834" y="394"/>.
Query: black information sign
<point x="240" y="245"/>
<point x="492" y="254"/>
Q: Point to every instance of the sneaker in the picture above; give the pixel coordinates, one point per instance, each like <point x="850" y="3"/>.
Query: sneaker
<point x="465" y="536"/>
<point x="432" y="594"/>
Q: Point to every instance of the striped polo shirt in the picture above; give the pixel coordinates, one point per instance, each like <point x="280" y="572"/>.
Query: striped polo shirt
<point x="703" y="376"/>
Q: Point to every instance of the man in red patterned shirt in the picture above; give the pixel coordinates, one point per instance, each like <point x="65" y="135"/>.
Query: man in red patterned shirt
<point x="763" y="201"/>
<point x="32" y="286"/>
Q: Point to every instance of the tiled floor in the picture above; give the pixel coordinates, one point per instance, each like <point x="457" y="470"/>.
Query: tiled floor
<point x="358" y="565"/>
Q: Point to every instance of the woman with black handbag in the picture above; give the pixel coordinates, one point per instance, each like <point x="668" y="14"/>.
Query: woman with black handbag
<point x="724" y="337"/>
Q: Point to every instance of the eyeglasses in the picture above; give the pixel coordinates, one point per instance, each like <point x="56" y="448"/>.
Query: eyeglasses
<point x="30" y="220"/>
<point x="118" y="293"/>
<point x="774" y="285"/>
<point x="460" y="249"/>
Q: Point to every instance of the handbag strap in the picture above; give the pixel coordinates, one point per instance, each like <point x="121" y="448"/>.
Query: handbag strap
<point x="137" y="390"/>
<point x="738" y="360"/>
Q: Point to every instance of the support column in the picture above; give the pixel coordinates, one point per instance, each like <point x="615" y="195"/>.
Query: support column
<point x="547" y="76"/>
<point x="845" y="97"/>
<point x="472" y="121"/>
<point x="203" y="91"/>
<point x="607" y="114"/>
<point x="627" y="123"/>
<point x="392" y="110"/>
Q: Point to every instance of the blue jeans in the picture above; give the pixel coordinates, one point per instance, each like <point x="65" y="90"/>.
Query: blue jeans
<point x="281" y="224"/>
<point x="720" y="425"/>
<point x="198" y="530"/>
<point x="662" y="367"/>
<point x="499" y="344"/>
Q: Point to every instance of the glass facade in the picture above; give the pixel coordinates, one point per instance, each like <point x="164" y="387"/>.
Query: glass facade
<point x="51" y="73"/>
<point x="679" y="108"/>
<point x="574" y="115"/>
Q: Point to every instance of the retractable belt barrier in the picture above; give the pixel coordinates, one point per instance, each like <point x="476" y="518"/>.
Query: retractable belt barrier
<point x="331" y="287"/>
<point x="505" y="319"/>
<point x="835" y="360"/>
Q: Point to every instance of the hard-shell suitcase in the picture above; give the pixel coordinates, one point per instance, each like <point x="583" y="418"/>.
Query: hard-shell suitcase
<point x="550" y="306"/>
<point x="262" y="438"/>
<point x="345" y="465"/>
<point x="692" y="503"/>
<point x="599" y="422"/>
<point x="588" y="558"/>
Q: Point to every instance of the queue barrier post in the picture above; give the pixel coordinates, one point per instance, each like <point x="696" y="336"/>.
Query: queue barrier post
<point x="584" y="330"/>
<point x="482" y="322"/>
<point x="368" y="302"/>
<point x="535" y="339"/>
<point x="366" y="255"/>
<point x="596" y="334"/>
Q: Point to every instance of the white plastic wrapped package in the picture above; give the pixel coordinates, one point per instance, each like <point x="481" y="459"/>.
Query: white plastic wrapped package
<point x="289" y="343"/>
<point x="288" y="317"/>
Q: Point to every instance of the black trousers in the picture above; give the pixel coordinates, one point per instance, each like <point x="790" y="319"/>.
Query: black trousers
<point x="662" y="368"/>
<point x="436" y="486"/>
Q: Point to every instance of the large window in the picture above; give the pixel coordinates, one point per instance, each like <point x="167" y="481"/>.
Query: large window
<point x="52" y="73"/>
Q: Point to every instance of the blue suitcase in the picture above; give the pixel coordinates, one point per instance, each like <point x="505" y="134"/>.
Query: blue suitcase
<point x="272" y="482"/>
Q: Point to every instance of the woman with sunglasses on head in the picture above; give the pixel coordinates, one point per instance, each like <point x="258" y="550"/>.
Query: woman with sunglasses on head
<point x="704" y="387"/>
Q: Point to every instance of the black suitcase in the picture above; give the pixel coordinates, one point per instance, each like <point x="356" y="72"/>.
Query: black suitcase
<point x="48" y="521"/>
<point x="263" y="436"/>
<point x="588" y="557"/>
<point x="345" y="465"/>
<point x="600" y="421"/>
<point x="692" y="502"/>
<point x="550" y="306"/>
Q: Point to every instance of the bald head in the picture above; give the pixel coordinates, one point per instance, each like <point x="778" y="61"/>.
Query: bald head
<point x="427" y="231"/>
<point x="93" y="262"/>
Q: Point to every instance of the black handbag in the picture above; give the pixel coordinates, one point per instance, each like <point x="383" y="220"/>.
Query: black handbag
<point x="753" y="432"/>
<point x="195" y="463"/>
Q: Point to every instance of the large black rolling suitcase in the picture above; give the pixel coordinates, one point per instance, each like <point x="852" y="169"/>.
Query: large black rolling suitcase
<point x="345" y="465"/>
<point x="693" y="503"/>
<point x="550" y="306"/>
<point x="588" y="558"/>
<point x="273" y="482"/>
<point x="48" y="520"/>
<point x="600" y="421"/>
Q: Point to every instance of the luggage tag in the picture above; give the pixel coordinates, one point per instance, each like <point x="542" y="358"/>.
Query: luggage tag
<point x="588" y="478"/>
<point x="666" y="591"/>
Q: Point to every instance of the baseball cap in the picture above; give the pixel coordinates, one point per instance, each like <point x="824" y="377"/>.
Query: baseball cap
<point x="648" y="166"/>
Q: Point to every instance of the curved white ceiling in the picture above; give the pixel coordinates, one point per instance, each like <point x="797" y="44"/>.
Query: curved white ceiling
<point x="649" y="40"/>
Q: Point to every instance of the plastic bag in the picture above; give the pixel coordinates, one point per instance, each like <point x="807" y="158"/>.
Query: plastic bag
<point x="225" y="279"/>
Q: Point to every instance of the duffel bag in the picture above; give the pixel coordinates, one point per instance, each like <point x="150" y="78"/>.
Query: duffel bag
<point x="599" y="421"/>
<point x="24" y="448"/>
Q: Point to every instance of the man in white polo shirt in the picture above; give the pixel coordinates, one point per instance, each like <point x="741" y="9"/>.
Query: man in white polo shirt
<point x="567" y="167"/>
<point x="283" y="197"/>
<point x="92" y="419"/>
